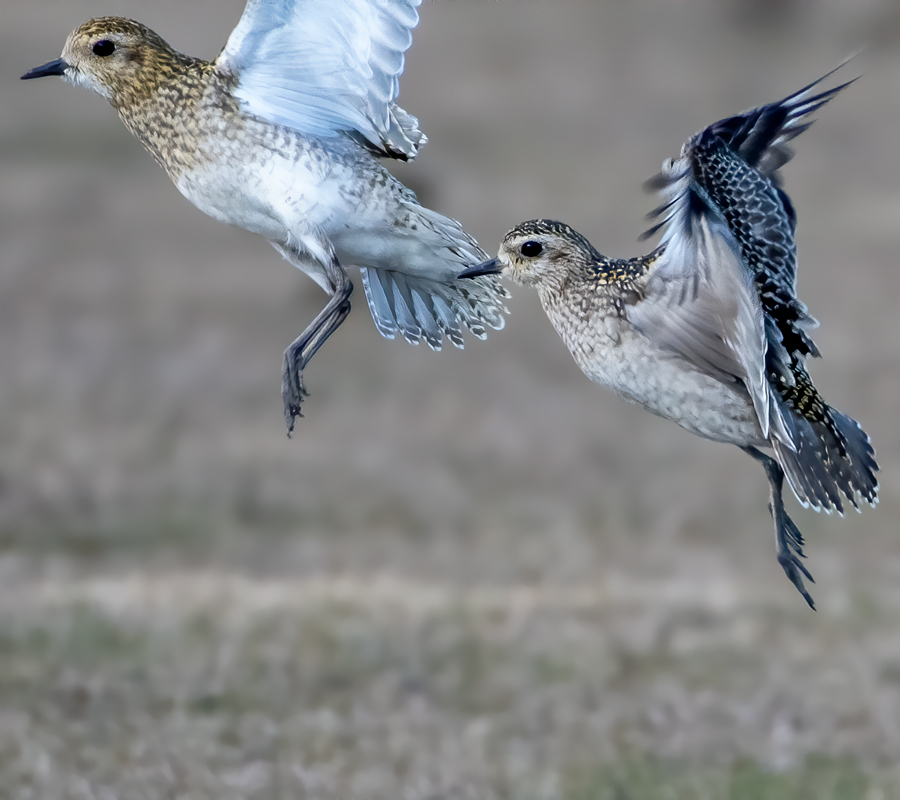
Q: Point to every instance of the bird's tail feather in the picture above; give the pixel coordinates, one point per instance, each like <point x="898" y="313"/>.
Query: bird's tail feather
<point x="833" y="457"/>
<point x="432" y="308"/>
<point x="419" y="308"/>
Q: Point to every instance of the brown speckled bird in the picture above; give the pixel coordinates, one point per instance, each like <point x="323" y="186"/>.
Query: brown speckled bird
<point x="281" y="135"/>
<point x="707" y="330"/>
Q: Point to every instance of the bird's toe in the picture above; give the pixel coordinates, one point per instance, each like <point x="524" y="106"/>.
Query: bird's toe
<point x="795" y="571"/>
<point x="293" y="390"/>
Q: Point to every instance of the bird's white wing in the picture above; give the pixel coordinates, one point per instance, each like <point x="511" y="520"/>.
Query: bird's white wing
<point x="327" y="66"/>
<point x="699" y="301"/>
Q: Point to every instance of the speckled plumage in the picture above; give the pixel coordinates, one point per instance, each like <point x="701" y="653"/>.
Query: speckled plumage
<point x="707" y="330"/>
<point x="281" y="135"/>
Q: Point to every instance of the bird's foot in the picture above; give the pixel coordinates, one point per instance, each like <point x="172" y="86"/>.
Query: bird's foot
<point x="790" y="551"/>
<point x="293" y="389"/>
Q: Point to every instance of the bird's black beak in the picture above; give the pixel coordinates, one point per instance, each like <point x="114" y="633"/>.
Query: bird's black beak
<point x="57" y="67"/>
<point x="491" y="267"/>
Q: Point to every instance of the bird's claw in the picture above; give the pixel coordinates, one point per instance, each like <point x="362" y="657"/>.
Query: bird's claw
<point x="293" y="390"/>
<point x="789" y="557"/>
<point x="796" y="572"/>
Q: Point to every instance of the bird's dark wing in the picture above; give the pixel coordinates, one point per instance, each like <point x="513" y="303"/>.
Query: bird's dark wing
<point x="725" y="187"/>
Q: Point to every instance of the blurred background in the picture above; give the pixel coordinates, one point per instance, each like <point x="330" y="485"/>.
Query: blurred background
<point x="471" y="574"/>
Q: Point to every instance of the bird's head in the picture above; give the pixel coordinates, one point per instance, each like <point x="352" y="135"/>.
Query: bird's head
<point x="538" y="253"/>
<point x="118" y="58"/>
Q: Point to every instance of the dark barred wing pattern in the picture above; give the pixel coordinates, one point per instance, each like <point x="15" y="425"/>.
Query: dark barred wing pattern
<point x="762" y="220"/>
<point x="732" y="166"/>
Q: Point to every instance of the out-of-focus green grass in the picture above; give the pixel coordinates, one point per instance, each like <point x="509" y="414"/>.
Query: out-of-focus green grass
<point x="818" y="778"/>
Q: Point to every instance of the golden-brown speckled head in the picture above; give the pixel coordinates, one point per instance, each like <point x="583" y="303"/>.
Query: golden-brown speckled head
<point x="540" y="252"/>
<point x="116" y="57"/>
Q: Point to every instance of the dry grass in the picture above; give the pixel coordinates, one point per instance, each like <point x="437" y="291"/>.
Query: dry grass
<point x="208" y="684"/>
<point x="473" y="574"/>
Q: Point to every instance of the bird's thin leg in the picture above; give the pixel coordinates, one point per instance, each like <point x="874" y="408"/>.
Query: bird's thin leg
<point x="788" y="539"/>
<point x="304" y="347"/>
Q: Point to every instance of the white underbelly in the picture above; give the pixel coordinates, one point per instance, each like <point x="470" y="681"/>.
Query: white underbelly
<point x="666" y="386"/>
<point x="276" y="198"/>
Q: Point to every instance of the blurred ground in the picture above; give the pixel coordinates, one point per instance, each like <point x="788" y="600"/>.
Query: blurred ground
<point x="471" y="574"/>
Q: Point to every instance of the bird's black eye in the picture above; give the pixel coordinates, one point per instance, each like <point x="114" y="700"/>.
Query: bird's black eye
<point x="531" y="249"/>
<point x="103" y="48"/>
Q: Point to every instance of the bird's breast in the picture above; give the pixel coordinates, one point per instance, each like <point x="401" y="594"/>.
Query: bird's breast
<point x="611" y="353"/>
<point x="264" y="178"/>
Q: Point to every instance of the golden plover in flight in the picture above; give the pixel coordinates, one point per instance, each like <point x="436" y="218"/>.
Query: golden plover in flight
<point x="281" y="135"/>
<point x="707" y="330"/>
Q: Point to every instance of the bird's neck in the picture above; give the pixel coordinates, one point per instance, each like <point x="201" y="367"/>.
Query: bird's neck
<point x="161" y="111"/>
<point x="153" y="72"/>
<point x="573" y="302"/>
<point x="597" y="285"/>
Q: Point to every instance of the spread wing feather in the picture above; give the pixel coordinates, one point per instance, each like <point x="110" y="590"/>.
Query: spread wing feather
<point x="327" y="66"/>
<point x="727" y="280"/>
<point x="701" y="303"/>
